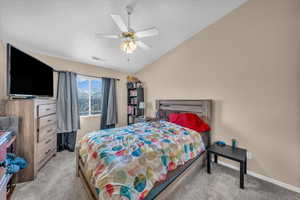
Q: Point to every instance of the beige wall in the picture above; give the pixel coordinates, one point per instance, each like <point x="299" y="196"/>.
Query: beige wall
<point x="249" y="64"/>
<point x="87" y="123"/>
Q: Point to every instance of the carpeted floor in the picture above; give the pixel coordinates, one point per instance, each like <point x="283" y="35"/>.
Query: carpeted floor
<point x="57" y="181"/>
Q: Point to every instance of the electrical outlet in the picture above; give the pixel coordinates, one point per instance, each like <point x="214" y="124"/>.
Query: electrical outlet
<point x="249" y="155"/>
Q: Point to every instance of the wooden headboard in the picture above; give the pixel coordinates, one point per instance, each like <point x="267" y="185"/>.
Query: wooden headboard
<point x="203" y="108"/>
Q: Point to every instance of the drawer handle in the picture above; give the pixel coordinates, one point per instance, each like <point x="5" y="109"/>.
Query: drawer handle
<point x="48" y="141"/>
<point x="48" y="109"/>
<point x="49" y="120"/>
<point x="49" y="130"/>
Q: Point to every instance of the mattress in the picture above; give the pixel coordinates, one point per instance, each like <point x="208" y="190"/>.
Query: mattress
<point x="128" y="162"/>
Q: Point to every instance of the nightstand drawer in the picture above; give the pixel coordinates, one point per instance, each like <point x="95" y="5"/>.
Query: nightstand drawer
<point x="47" y="109"/>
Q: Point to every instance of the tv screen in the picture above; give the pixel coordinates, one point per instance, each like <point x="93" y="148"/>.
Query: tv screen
<point x="27" y="75"/>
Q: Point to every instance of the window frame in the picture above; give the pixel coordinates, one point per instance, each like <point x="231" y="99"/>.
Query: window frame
<point x="90" y="79"/>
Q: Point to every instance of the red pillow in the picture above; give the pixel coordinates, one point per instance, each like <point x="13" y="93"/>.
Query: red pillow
<point x="189" y="120"/>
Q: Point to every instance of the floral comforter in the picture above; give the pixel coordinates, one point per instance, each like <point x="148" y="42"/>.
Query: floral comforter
<point x="124" y="163"/>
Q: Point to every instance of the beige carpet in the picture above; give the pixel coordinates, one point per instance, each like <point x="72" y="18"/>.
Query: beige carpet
<point x="57" y="181"/>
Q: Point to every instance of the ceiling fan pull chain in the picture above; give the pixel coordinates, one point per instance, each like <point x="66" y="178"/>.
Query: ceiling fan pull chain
<point x="128" y="21"/>
<point x="129" y="10"/>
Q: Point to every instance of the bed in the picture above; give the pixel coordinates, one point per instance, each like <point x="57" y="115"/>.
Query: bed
<point x="183" y="166"/>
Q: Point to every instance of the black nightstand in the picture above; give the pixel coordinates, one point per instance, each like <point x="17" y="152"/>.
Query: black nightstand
<point x="239" y="155"/>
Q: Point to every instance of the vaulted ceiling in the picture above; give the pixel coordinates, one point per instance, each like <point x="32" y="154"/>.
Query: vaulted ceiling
<point x="66" y="29"/>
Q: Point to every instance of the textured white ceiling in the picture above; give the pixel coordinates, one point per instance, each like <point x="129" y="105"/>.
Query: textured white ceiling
<point x="66" y="29"/>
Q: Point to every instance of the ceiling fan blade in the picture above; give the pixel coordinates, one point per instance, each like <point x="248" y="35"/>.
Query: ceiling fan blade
<point x="142" y="45"/>
<point x="120" y="23"/>
<point x="147" y="32"/>
<point x="101" y="35"/>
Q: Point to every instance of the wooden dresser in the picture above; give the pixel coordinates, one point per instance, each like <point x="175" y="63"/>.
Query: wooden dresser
<point x="37" y="138"/>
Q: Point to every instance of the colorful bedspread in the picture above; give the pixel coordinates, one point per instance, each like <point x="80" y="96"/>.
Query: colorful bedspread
<point x="124" y="163"/>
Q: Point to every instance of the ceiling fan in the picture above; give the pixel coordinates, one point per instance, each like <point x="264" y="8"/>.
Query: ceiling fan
<point x="129" y="37"/>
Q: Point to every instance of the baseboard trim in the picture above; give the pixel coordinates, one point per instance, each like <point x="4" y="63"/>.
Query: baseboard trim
<point x="265" y="178"/>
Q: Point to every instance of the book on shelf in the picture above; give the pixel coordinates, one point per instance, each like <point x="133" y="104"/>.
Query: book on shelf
<point x="133" y="93"/>
<point x="130" y="119"/>
<point x="132" y="110"/>
<point x="133" y="85"/>
<point x="133" y="101"/>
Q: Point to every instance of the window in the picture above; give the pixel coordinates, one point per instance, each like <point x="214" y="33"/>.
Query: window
<point x="90" y="95"/>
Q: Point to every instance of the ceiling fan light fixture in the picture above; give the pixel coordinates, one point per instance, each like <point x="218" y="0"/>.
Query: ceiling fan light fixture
<point x="128" y="46"/>
<point x="129" y="37"/>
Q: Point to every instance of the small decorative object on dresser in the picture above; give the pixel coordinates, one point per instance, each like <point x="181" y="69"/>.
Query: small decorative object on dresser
<point x="37" y="137"/>
<point x="239" y="155"/>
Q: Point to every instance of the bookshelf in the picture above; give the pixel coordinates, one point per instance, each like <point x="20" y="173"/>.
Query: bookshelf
<point x="135" y="93"/>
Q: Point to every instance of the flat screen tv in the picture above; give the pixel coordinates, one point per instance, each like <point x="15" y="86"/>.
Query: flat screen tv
<point x="27" y="76"/>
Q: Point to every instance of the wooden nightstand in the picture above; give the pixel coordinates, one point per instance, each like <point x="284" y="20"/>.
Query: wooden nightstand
<point x="239" y="155"/>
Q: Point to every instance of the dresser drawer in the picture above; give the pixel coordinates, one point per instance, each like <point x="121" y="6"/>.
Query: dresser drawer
<point x="46" y="132"/>
<point x="46" y="121"/>
<point x="46" y="158"/>
<point x="46" y="147"/>
<point x="46" y="109"/>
